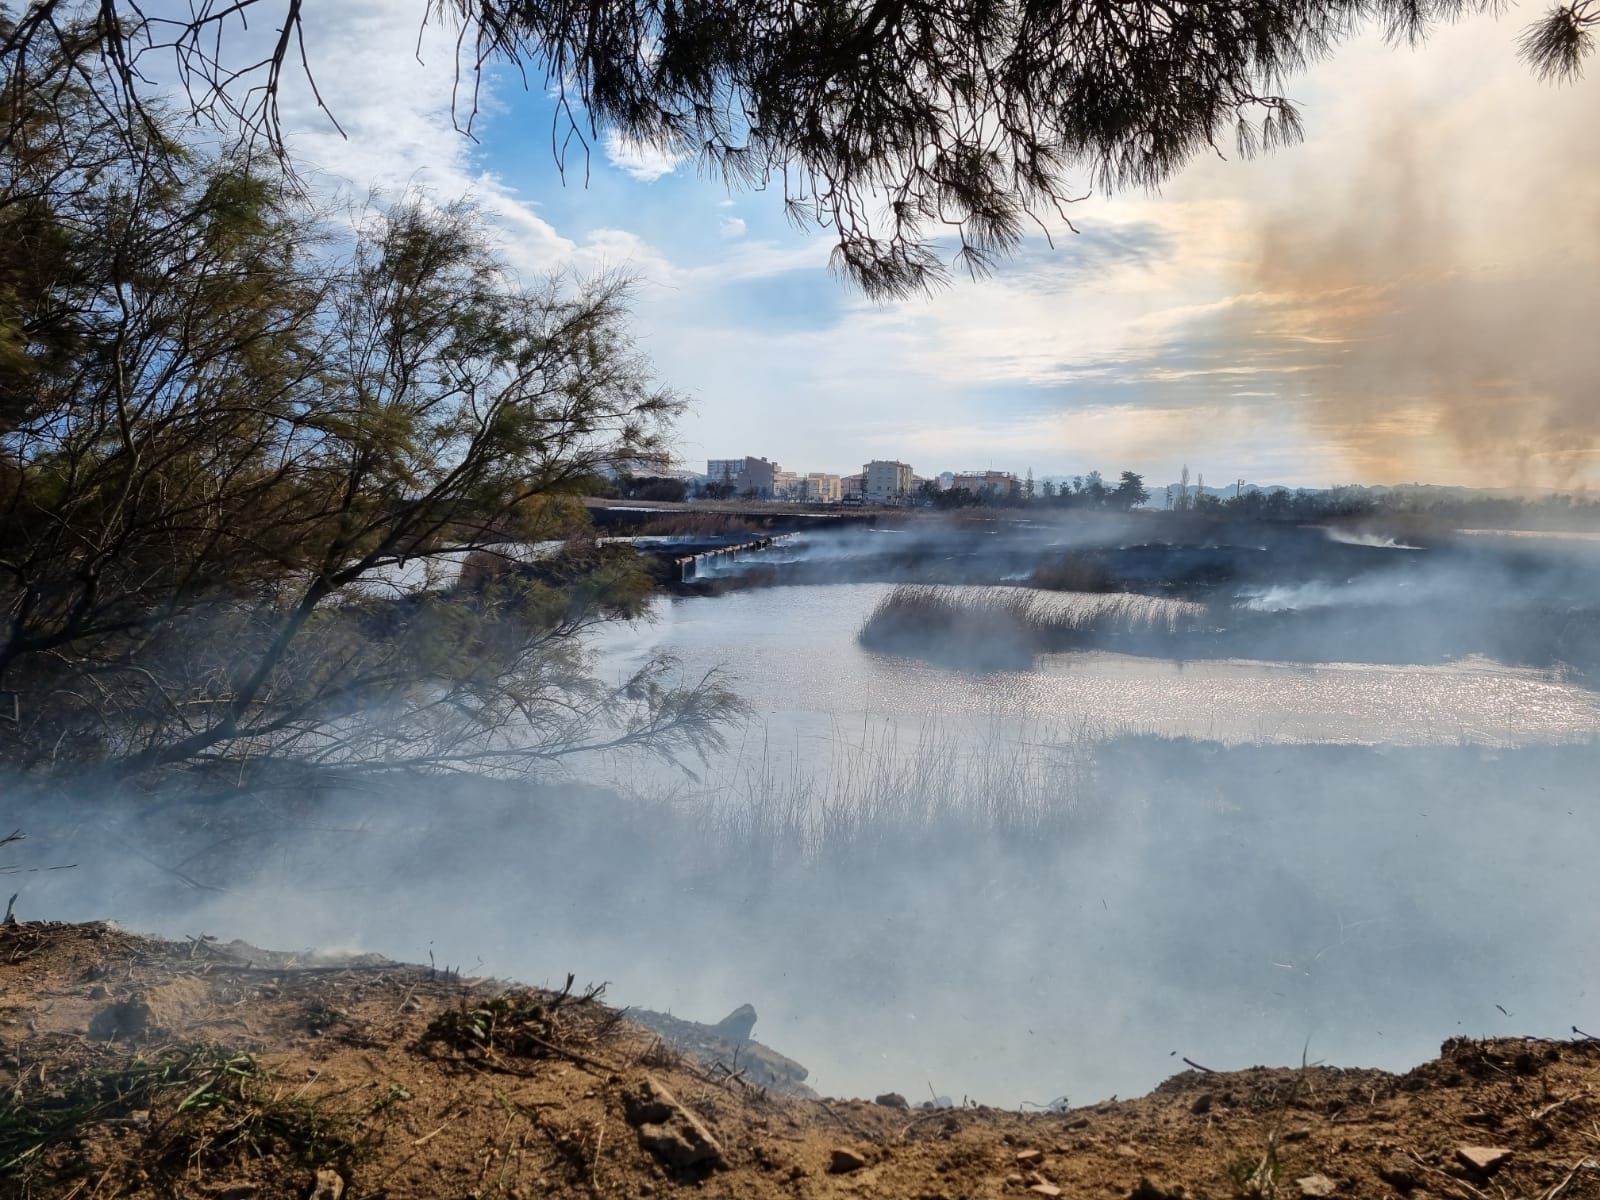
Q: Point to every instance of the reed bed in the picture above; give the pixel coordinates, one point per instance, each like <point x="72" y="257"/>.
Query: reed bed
<point x="1005" y="627"/>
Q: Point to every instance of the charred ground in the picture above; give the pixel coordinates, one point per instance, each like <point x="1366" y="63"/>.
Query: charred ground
<point x="133" y="1067"/>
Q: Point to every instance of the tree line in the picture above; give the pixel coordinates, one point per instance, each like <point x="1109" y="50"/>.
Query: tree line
<point x="1081" y="491"/>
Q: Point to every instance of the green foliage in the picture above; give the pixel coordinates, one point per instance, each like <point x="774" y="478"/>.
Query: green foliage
<point x="1256" y="1177"/>
<point x="243" y="448"/>
<point x="925" y="136"/>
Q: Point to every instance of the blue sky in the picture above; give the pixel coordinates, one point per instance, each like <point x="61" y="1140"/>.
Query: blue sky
<point x="1402" y="297"/>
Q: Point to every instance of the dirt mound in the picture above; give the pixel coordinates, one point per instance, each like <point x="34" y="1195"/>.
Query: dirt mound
<point x="223" y="1073"/>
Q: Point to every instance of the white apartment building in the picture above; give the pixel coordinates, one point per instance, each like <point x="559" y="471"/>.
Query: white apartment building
<point x="887" y="481"/>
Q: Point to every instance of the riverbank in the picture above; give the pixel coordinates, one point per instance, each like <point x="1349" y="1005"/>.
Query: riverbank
<point x="140" y="1068"/>
<point x="898" y="916"/>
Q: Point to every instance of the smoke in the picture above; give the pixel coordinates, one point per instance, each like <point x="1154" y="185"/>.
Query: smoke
<point x="1005" y="901"/>
<point x="1436" y="301"/>
<point x="1227" y="905"/>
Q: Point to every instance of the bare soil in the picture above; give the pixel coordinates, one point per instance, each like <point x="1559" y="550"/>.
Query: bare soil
<point x="132" y="1067"/>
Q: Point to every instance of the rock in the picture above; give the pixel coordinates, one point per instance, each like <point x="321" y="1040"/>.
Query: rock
<point x="1029" y="1159"/>
<point x="843" y="1161"/>
<point x="1485" y="1160"/>
<point x="1014" y="1180"/>
<point x="1398" y="1176"/>
<point x="670" y="1131"/>
<point x="738" y="1025"/>
<point x="1202" y="1104"/>
<point x="1045" y="1189"/>
<point x="1146" y="1189"/>
<point x="328" y="1185"/>
<point x="1312" y="1186"/>
<point x="892" y="1100"/>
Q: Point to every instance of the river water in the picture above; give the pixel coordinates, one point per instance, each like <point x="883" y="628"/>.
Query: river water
<point x="1346" y="860"/>
<point x="791" y="653"/>
<point x="1232" y="861"/>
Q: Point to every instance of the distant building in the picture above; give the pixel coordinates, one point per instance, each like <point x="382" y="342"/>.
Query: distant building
<point x="946" y="480"/>
<point x="818" y="487"/>
<point x="887" y="481"/>
<point x="641" y="464"/>
<point x="747" y="476"/>
<point x="852" y="488"/>
<point x="787" y="485"/>
<point x="999" y="483"/>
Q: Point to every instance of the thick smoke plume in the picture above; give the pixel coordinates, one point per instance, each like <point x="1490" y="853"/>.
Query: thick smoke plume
<point x="1436" y="306"/>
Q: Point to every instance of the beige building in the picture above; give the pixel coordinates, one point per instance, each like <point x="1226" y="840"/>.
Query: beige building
<point x="818" y="487"/>
<point x="887" y="481"/>
<point x="1001" y="483"/>
<point x="853" y="488"/>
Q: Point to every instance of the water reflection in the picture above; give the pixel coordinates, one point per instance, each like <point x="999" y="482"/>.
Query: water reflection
<point x="792" y="653"/>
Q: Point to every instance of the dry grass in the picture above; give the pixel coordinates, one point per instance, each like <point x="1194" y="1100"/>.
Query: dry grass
<point x="999" y="628"/>
<point x="199" y="1108"/>
<point x="695" y="524"/>
<point x="878" y="799"/>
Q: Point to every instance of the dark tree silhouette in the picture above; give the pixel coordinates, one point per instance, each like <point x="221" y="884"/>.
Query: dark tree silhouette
<point x="1129" y="493"/>
<point x="891" y="123"/>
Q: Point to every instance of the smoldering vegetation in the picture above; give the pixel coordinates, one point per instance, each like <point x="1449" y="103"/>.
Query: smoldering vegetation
<point x="1187" y="590"/>
<point x="1005" y="628"/>
<point x="987" y="629"/>
<point x="1015" y="920"/>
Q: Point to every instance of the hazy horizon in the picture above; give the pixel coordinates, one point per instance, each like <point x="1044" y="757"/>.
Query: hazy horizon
<point x="1358" y="307"/>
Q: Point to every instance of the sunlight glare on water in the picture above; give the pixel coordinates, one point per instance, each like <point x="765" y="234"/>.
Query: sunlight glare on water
<point x="791" y="653"/>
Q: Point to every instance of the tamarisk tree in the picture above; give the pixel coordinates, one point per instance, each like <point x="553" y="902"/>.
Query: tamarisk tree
<point x="285" y="497"/>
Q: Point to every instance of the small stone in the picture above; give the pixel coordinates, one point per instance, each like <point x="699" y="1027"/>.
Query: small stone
<point x="1202" y="1104"/>
<point x="328" y="1185"/>
<point x="843" y="1161"/>
<point x="1398" y="1176"/>
<point x="1014" y="1180"/>
<point x="1045" y="1189"/>
<point x="1312" y="1186"/>
<point x="669" y="1130"/>
<point x="1030" y="1158"/>
<point x="892" y="1100"/>
<point x="1483" y="1159"/>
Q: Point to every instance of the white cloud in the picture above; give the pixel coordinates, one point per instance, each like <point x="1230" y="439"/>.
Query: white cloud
<point x="645" y="163"/>
<point x="732" y="227"/>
